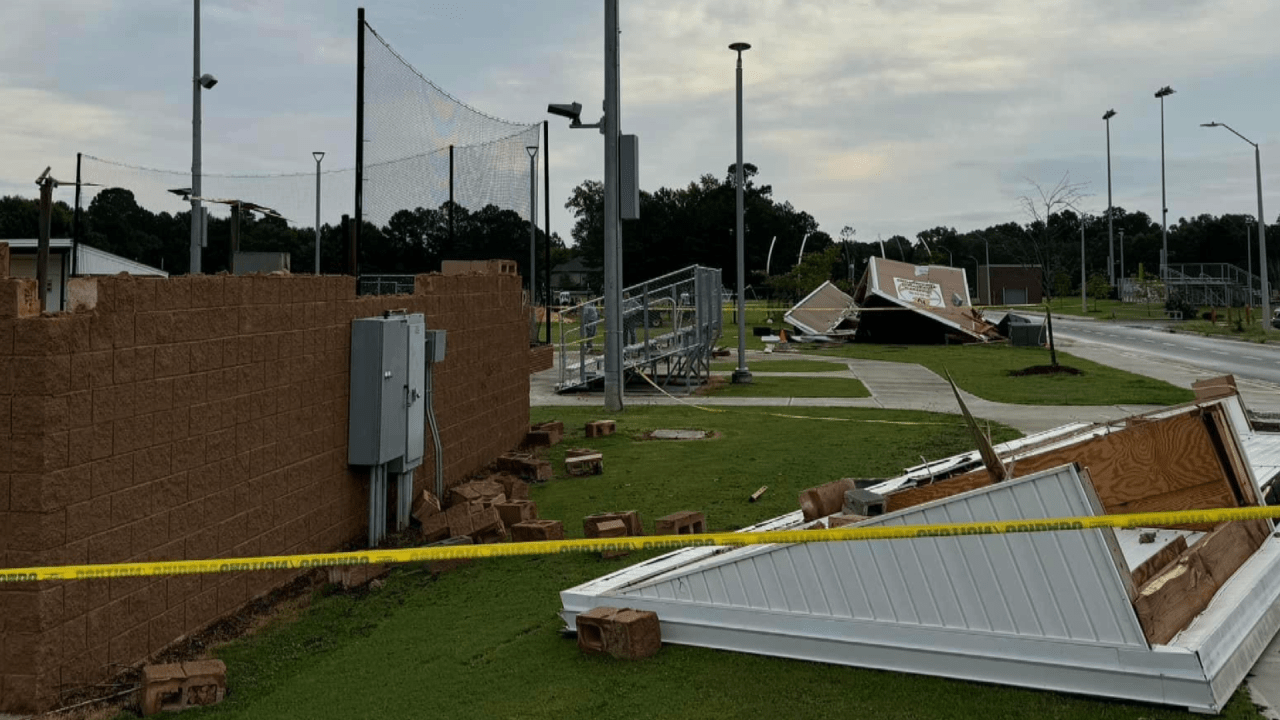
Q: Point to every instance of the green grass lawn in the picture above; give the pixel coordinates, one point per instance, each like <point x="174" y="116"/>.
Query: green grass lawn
<point x="794" y="366"/>
<point x="482" y="642"/>
<point x="789" y="387"/>
<point x="984" y="371"/>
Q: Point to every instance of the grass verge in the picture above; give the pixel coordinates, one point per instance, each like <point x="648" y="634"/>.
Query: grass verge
<point x="788" y="387"/>
<point x="984" y="371"/>
<point x="784" y="366"/>
<point x="481" y="642"/>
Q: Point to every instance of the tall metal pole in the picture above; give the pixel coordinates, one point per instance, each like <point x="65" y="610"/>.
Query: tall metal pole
<point x="452" y="246"/>
<point x="1248" y="255"/>
<point x="318" y="156"/>
<point x="1162" y="93"/>
<point x="987" y="243"/>
<point x="359" y="202"/>
<point x="533" y="224"/>
<point x="195" y="147"/>
<point x="1262" y="245"/>
<point x="1084" y="301"/>
<point x="1122" y="262"/>
<point x="42" y="244"/>
<point x="612" y="234"/>
<point x="1111" y="241"/>
<point x="546" y="222"/>
<point x="742" y="375"/>
<point x="76" y="227"/>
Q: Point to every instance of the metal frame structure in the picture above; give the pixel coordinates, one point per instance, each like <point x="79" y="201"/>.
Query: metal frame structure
<point x="1215" y="284"/>
<point x="1045" y="610"/>
<point x="669" y="326"/>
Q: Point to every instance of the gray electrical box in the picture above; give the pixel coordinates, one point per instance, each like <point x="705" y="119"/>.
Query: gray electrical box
<point x="387" y="406"/>
<point x="629" y="177"/>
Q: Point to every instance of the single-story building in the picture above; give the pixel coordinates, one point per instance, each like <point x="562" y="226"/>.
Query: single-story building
<point x="88" y="261"/>
<point x="1010" y="284"/>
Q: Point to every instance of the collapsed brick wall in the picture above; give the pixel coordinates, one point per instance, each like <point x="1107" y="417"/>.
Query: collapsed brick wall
<point x="205" y="417"/>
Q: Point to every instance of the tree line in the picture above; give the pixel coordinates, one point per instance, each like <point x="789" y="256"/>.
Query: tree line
<point x="411" y="242"/>
<point x="677" y="227"/>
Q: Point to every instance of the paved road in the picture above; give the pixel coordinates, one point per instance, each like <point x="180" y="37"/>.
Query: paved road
<point x="1218" y="355"/>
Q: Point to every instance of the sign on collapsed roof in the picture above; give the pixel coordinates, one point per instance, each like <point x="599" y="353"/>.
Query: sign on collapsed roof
<point x="823" y="312"/>
<point x="937" y="294"/>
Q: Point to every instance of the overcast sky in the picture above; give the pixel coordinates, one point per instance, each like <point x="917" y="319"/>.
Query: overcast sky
<point x="891" y="116"/>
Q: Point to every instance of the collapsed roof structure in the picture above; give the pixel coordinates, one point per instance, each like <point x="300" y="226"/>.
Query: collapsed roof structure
<point x="936" y="298"/>
<point x="895" y="302"/>
<point x="1174" y="615"/>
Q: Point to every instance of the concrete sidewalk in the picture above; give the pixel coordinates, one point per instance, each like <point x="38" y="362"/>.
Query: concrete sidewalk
<point x="893" y="385"/>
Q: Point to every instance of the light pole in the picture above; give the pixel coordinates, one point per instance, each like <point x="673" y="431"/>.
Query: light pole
<point x="1084" y="299"/>
<point x="1248" y="254"/>
<point x="318" y="156"/>
<point x="1111" y="242"/>
<point x="198" y="82"/>
<point x="742" y="375"/>
<point x="1122" y="276"/>
<point x="1262" y="228"/>
<point x="803" y="240"/>
<point x="987" y="245"/>
<point x="533" y="223"/>
<point x="1162" y="93"/>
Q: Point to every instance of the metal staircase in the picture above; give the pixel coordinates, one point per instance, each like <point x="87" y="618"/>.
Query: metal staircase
<point x="670" y="325"/>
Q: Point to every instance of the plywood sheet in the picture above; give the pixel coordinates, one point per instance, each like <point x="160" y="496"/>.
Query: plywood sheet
<point x="1169" y="464"/>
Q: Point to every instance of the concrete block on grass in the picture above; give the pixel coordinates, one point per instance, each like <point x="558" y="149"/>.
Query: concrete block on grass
<point x="685" y="522"/>
<point x="621" y="633"/>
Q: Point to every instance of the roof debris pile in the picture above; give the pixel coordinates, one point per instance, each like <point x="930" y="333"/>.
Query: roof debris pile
<point x="1174" y="615"/>
<point x="895" y="302"/>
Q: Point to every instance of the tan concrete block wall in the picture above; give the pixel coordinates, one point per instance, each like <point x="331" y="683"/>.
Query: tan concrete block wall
<point x="205" y="417"/>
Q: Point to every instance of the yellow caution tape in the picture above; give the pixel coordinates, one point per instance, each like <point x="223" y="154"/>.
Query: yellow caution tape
<point x="666" y="542"/>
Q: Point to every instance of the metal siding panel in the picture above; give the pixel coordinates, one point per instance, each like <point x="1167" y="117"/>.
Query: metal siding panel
<point x="833" y="583"/>
<point x="812" y="584"/>
<point x="753" y="584"/>
<point x="895" y="585"/>
<point x="770" y="581"/>
<point x="978" y="577"/>
<point x="1025" y="566"/>
<point x="784" y="565"/>
<point x="855" y="590"/>
<point x="918" y="583"/>
<point x="1060" y="582"/>
<point x="948" y="599"/>
<point x="878" y="595"/>
<point x="716" y="586"/>
<point x="735" y="589"/>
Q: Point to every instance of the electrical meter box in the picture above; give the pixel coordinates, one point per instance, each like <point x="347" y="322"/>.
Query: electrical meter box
<point x="388" y="387"/>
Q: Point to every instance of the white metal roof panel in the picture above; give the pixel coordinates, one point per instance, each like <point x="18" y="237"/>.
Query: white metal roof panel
<point x="1048" y="585"/>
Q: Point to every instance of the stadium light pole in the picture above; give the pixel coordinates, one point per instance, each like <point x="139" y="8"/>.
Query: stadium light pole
<point x="1262" y="227"/>
<point x="742" y="375"/>
<point x="1084" y="300"/>
<point x="1161" y="94"/>
<point x="318" y="156"/>
<point x="198" y="82"/>
<point x="533" y="223"/>
<point x="1111" y="239"/>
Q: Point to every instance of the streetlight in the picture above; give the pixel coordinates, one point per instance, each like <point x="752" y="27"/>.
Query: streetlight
<point x="1262" y="228"/>
<point x="1111" y="243"/>
<point x="803" y="240"/>
<point x="741" y="375"/>
<point x="1248" y="252"/>
<point x="1084" y="300"/>
<point x="609" y="127"/>
<point x="198" y="82"/>
<point x="1120" y="293"/>
<point x="318" y="156"/>
<point x="1162" y="93"/>
<point x="533" y="223"/>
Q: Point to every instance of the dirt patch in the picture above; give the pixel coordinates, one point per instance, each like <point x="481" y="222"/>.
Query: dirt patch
<point x="1045" y="370"/>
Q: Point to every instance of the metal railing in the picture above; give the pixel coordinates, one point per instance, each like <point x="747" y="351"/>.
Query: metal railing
<point x="670" y="325"/>
<point x="385" y="285"/>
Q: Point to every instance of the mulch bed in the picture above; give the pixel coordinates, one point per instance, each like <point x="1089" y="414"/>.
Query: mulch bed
<point x="1046" y="370"/>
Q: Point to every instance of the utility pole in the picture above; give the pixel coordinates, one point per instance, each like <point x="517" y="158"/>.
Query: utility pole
<point x="612" y="229"/>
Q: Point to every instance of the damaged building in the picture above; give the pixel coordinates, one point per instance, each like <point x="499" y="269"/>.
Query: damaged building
<point x="1174" y="615"/>
<point x="895" y="302"/>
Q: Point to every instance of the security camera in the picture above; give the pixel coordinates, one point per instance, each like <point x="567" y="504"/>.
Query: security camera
<point x="573" y="111"/>
<point x="207" y="81"/>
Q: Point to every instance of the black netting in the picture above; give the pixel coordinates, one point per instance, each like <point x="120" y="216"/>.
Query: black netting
<point x="410" y="126"/>
<point x="292" y="195"/>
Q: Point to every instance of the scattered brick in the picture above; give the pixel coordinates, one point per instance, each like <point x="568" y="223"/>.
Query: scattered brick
<point x="580" y="462"/>
<point x="427" y="505"/>
<point x="178" y="686"/>
<point x="600" y="428"/>
<point x="545" y="434"/>
<point x="836" y="521"/>
<point x="354" y="576"/>
<point x="537" y="531"/>
<point x="516" y="511"/>
<point x="824" y="500"/>
<point x="685" y="522"/>
<point x="612" y="529"/>
<point x="630" y="519"/>
<point x="625" y="634"/>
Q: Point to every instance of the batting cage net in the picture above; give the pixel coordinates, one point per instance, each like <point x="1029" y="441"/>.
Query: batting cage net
<point x="423" y="147"/>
